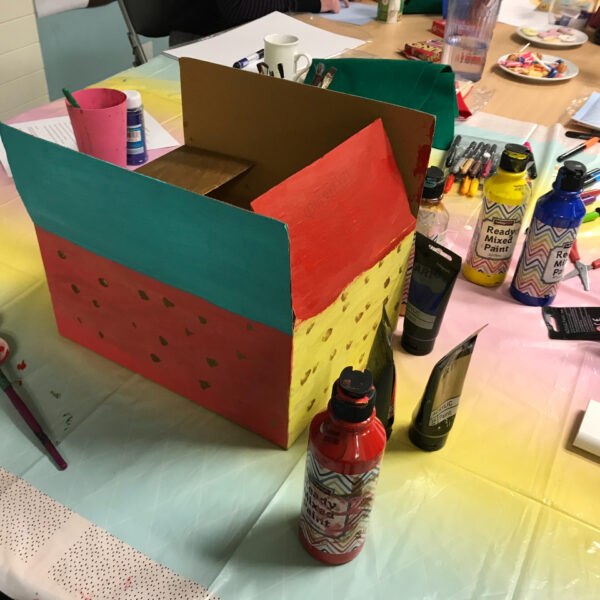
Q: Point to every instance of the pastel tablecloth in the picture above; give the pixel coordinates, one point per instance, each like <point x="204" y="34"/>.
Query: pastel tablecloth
<point x="163" y="499"/>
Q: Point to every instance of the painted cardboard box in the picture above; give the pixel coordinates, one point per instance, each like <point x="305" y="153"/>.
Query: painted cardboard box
<point x="245" y="269"/>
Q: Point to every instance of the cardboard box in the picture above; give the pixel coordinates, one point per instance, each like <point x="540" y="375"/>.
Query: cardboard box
<point x="430" y="51"/>
<point x="250" y="315"/>
<point x="438" y="27"/>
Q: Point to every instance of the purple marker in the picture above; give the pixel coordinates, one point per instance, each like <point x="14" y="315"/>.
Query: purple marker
<point x="28" y="417"/>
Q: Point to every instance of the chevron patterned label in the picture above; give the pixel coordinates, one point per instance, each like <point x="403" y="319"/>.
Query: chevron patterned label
<point x="495" y="237"/>
<point x="544" y="257"/>
<point x="336" y="507"/>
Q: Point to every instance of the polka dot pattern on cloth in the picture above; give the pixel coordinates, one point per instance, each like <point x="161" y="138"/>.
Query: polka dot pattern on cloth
<point x="27" y="520"/>
<point x="101" y="567"/>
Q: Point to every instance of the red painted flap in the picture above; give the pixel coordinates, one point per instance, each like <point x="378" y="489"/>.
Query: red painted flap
<point x="344" y="213"/>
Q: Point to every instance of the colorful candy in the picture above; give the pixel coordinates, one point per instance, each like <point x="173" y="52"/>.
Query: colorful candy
<point x="533" y="65"/>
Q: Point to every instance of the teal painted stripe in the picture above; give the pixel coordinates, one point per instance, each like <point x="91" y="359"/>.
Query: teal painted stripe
<point x="233" y="258"/>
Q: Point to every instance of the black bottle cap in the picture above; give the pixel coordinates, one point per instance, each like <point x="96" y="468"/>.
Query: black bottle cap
<point x="429" y="443"/>
<point x="434" y="184"/>
<point x="353" y="396"/>
<point x="515" y="158"/>
<point x="571" y="176"/>
<point x="416" y="346"/>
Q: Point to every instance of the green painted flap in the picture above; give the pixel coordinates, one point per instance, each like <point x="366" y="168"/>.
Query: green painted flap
<point x="236" y="259"/>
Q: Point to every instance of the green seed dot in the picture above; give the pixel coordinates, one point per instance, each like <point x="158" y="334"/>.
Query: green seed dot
<point x="102" y="282"/>
<point x="155" y="358"/>
<point x="143" y="295"/>
<point x="75" y="288"/>
<point x="202" y="320"/>
<point x="167" y="303"/>
<point x="162" y="340"/>
<point x="204" y="384"/>
<point x="61" y="254"/>
<point x="212" y="362"/>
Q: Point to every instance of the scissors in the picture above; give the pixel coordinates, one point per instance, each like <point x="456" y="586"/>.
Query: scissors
<point x="581" y="269"/>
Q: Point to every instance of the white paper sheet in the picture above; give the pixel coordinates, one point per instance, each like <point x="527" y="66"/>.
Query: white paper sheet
<point x="589" y="114"/>
<point x="230" y="46"/>
<point x="59" y="131"/>
<point x="522" y="13"/>
<point x="357" y="13"/>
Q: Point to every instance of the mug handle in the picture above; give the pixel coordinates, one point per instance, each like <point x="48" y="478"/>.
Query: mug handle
<point x="305" y="69"/>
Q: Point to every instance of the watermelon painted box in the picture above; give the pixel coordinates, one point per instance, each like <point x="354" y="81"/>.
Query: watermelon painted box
<point x="245" y="269"/>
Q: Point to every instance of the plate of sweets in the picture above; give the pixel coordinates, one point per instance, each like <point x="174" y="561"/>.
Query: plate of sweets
<point x="538" y="67"/>
<point x="553" y="37"/>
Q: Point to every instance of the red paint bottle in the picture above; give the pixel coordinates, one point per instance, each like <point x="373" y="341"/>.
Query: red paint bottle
<point x="345" y="449"/>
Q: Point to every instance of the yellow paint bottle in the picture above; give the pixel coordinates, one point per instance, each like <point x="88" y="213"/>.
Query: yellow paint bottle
<point x="505" y="198"/>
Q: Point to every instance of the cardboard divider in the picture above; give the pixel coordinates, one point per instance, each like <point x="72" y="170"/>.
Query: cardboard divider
<point x="280" y="127"/>
<point x="195" y="169"/>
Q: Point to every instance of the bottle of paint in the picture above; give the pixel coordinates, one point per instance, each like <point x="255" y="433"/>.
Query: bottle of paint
<point x="136" y="136"/>
<point x="345" y="449"/>
<point x="553" y="230"/>
<point x="433" y="217"/>
<point x="432" y="221"/>
<point x="505" y="197"/>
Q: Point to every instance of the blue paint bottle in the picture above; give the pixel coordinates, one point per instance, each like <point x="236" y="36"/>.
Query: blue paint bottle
<point x="136" y="135"/>
<point x="554" y="225"/>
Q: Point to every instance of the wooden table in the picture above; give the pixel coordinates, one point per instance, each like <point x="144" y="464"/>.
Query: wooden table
<point x="514" y="98"/>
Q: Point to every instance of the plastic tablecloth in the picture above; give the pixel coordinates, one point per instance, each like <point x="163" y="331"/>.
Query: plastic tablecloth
<point x="163" y="499"/>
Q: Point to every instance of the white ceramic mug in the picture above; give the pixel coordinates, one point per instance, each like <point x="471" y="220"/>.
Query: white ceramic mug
<point x="281" y="48"/>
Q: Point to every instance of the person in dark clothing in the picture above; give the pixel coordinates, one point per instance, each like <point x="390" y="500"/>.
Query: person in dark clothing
<point x="203" y="17"/>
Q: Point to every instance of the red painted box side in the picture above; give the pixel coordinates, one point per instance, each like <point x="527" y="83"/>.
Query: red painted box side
<point x="238" y="368"/>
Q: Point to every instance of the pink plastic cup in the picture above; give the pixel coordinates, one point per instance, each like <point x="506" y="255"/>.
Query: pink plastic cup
<point x="100" y="125"/>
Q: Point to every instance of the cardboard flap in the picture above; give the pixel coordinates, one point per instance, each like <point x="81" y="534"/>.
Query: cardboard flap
<point x="280" y="126"/>
<point x="194" y="169"/>
<point x="232" y="258"/>
<point x="344" y="212"/>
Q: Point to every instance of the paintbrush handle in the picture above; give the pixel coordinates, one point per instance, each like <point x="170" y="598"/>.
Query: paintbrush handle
<point x="31" y="421"/>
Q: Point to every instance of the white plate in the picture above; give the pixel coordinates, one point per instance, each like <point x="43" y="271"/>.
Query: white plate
<point x="581" y="38"/>
<point x="572" y="70"/>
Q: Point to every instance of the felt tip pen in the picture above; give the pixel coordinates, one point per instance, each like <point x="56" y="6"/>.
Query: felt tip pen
<point x="591" y="180"/>
<point x="591" y="216"/>
<point x="452" y="151"/>
<point x="532" y="168"/>
<point x="244" y="62"/>
<point x="465" y="154"/>
<point x="579" y="136"/>
<point x="70" y="98"/>
<point x="579" y="148"/>
<point x="590" y="197"/>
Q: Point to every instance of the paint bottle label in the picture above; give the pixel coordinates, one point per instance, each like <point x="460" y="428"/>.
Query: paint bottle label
<point x="543" y="261"/>
<point x="135" y="139"/>
<point x="336" y="508"/>
<point x="496" y="236"/>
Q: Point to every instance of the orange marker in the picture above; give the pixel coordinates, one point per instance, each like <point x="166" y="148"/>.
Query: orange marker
<point x="465" y="185"/>
<point x="579" y="148"/>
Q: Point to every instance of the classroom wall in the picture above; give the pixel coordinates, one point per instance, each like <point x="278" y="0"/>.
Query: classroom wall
<point x="22" y="77"/>
<point x="84" y="46"/>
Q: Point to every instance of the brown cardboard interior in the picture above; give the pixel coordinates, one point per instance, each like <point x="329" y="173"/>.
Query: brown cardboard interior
<point x="279" y="127"/>
<point x="194" y="169"/>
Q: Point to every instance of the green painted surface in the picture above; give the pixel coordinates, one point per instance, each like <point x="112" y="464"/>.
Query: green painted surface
<point x="233" y="258"/>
